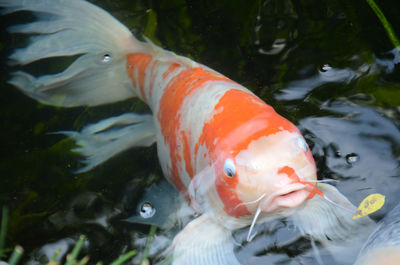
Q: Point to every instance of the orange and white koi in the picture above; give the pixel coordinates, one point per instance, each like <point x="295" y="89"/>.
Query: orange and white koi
<point x="230" y="154"/>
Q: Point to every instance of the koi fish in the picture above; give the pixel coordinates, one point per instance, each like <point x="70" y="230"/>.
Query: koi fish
<point x="383" y="245"/>
<point x="235" y="160"/>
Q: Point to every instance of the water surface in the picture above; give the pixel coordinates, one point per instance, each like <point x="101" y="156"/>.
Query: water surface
<point x="328" y="66"/>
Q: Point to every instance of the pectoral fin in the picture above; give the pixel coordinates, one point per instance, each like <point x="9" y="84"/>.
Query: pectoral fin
<point x="204" y="242"/>
<point x="100" y="141"/>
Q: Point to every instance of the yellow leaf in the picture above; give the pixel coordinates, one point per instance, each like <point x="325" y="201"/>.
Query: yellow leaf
<point x="371" y="204"/>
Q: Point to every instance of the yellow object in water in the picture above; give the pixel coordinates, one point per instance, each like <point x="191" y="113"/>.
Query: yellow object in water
<point x="370" y="204"/>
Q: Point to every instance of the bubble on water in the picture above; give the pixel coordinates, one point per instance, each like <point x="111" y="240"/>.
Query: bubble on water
<point x="106" y="58"/>
<point x="147" y="210"/>
<point x="277" y="47"/>
<point x="325" y="68"/>
<point x="352" y="158"/>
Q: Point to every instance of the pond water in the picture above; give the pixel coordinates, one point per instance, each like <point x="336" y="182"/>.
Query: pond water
<point x="327" y="66"/>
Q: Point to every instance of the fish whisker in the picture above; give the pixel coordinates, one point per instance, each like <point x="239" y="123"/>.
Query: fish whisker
<point x="252" y="202"/>
<point x="323" y="180"/>
<point x="249" y="235"/>
<point x="338" y="205"/>
<point x="257" y="214"/>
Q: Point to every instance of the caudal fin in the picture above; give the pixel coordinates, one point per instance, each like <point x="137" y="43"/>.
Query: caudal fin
<point x="67" y="28"/>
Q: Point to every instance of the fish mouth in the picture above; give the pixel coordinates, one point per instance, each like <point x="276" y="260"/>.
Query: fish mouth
<point x="290" y="197"/>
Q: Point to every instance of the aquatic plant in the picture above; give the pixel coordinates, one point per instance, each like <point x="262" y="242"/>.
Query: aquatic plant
<point x="385" y="23"/>
<point x="72" y="258"/>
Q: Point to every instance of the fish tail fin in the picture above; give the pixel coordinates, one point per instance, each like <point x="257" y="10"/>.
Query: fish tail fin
<point x="330" y="221"/>
<point x="204" y="242"/>
<point x="73" y="28"/>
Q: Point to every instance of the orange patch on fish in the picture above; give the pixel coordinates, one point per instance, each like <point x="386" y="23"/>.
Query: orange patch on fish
<point x="241" y="118"/>
<point x="170" y="69"/>
<point x="139" y="61"/>
<point x="293" y="175"/>
<point x="176" y="91"/>
<point x="187" y="156"/>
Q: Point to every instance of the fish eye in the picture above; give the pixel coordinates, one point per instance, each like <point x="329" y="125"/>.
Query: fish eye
<point x="147" y="210"/>
<point x="229" y="168"/>
<point x="302" y="144"/>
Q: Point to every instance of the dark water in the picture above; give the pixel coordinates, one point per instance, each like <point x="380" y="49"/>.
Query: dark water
<point x="328" y="66"/>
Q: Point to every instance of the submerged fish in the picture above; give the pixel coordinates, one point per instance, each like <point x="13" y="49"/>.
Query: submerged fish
<point x="160" y="205"/>
<point x="235" y="160"/>
<point x="383" y="245"/>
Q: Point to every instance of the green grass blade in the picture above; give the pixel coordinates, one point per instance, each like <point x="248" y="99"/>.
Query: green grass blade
<point x="3" y="231"/>
<point x="149" y="240"/>
<point x="55" y="256"/>
<point x="124" y="258"/>
<point x="75" y="251"/>
<point x="16" y="255"/>
<point x="385" y="23"/>
<point x="83" y="261"/>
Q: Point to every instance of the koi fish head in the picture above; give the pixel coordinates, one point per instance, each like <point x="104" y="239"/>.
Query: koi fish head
<point x="260" y="159"/>
<point x="273" y="173"/>
<point x="279" y="166"/>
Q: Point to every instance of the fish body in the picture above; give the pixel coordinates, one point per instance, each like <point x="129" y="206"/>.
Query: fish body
<point x="206" y="125"/>
<point x="234" y="159"/>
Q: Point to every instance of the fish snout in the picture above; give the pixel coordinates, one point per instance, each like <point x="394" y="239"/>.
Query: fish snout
<point x="290" y="192"/>
<point x="286" y="176"/>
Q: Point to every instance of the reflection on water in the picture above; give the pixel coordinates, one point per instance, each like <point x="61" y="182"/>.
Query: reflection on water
<point x="299" y="89"/>
<point x="366" y="137"/>
<point x="317" y="63"/>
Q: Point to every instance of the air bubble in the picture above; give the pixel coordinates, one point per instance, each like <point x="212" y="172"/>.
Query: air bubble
<point x="352" y="158"/>
<point x="325" y="68"/>
<point x="106" y="58"/>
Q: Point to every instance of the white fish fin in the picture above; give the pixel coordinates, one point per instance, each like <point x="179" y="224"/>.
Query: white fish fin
<point x="383" y="245"/>
<point x="100" y="141"/>
<point x="67" y="28"/>
<point x="168" y="56"/>
<point x="331" y="224"/>
<point x="204" y="242"/>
